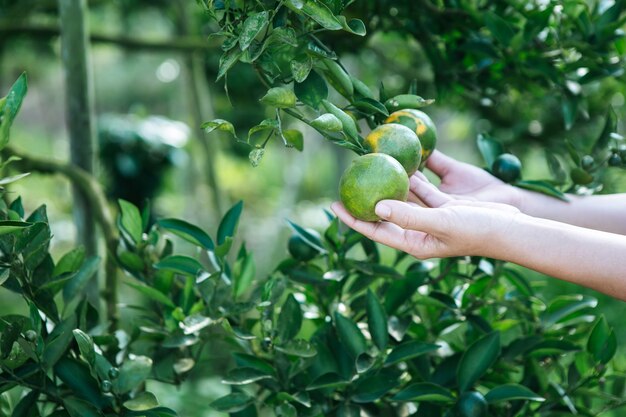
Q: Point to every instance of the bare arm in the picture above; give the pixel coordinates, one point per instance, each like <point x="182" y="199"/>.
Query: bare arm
<point x="586" y="257"/>
<point x="605" y="212"/>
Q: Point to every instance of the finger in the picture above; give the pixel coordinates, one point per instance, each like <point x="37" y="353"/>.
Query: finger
<point x="440" y="164"/>
<point x="384" y="232"/>
<point x="428" y="193"/>
<point x="414" y="199"/>
<point x="407" y="216"/>
<point x="421" y="176"/>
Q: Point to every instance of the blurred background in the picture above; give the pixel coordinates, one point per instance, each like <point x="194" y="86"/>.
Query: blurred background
<point x="154" y="69"/>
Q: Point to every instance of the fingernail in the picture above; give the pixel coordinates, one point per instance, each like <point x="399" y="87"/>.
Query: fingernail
<point x="383" y="210"/>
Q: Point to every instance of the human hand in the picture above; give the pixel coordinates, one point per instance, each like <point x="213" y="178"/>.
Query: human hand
<point x="468" y="182"/>
<point x="450" y="227"/>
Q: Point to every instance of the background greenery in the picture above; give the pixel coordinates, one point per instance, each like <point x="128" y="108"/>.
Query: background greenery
<point x="156" y="78"/>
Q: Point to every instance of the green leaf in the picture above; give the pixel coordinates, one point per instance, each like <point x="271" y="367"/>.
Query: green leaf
<point x="602" y="343"/>
<point x="133" y="372"/>
<point x="12" y="104"/>
<point x="27" y="406"/>
<point x="354" y="26"/>
<point x="424" y="391"/>
<point x="142" y="402"/>
<point x="244" y="376"/>
<point x="301" y="67"/>
<point x="250" y="361"/>
<point x="328" y="380"/>
<point x="369" y="388"/>
<point x="489" y="148"/>
<point x="499" y="28"/>
<point x="10" y="226"/>
<point x="327" y="122"/>
<point x="180" y="264"/>
<point x="77" y="285"/>
<point x="610" y="126"/>
<point x="153" y="294"/>
<point x="232" y="403"/>
<point x="350" y="335"/>
<point x="70" y="262"/>
<point x="409" y="350"/>
<point x="510" y="392"/>
<point x="131" y="220"/>
<point x="312" y="90"/>
<point x="289" y="320"/>
<point x="85" y="345"/>
<point x="219" y="124"/>
<point x="9" y="180"/>
<point x="311" y="239"/>
<point x="543" y="187"/>
<point x="79" y="408"/>
<point x="563" y="307"/>
<point x="280" y="97"/>
<point x="189" y="232"/>
<point x="255" y="156"/>
<point x="377" y="321"/>
<point x="293" y="138"/>
<point x="243" y="272"/>
<point x="371" y="106"/>
<point x="229" y="223"/>
<point x="477" y="359"/>
<point x="76" y="376"/>
<point x="569" y="106"/>
<point x="316" y="11"/>
<point x="297" y="347"/>
<point x="227" y="61"/>
<point x="252" y="27"/>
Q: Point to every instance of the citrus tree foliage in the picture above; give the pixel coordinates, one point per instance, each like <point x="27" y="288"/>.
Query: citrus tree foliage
<point x="337" y="328"/>
<point x="550" y="63"/>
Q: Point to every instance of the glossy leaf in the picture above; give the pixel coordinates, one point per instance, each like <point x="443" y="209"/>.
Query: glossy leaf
<point x="219" y="124"/>
<point x="489" y="148"/>
<point x="244" y="376"/>
<point x="289" y="320"/>
<point x="280" y="97"/>
<point x="229" y="223"/>
<point x="85" y="345"/>
<point x="602" y="342"/>
<point x="297" y="347"/>
<point x="510" y="392"/>
<point x="350" y="335"/>
<point x="543" y="187"/>
<point x="424" y="391"/>
<point x="252" y="27"/>
<point x="187" y="231"/>
<point x="561" y="308"/>
<point x="232" y="403"/>
<point x="153" y="294"/>
<point x="409" y="350"/>
<point x="377" y="321"/>
<point x="142" y="402"/>
<point x="180" y="264"/>
<point x="370" y="388"/>
<point x="312" y="90"/>
<point x="12" y="104"/>
<point x="327" y="122"/>
<point x="293" y="139"/>
<point x="477" y="359"/>
<point x="130" y="220"/>
<point x="133" y="372"/>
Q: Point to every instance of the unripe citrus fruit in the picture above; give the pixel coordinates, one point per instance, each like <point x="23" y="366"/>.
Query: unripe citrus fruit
<point x="507" y="167"/>
<point x="471" y="404"/>
<point x="369" y="179"/>
<point x="300" y="249"/>
<point x="399" y="142"/>
<point x="420" y="123"/>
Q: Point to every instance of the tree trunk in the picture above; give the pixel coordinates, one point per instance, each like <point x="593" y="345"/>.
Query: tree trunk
<point x="79" y="114"/>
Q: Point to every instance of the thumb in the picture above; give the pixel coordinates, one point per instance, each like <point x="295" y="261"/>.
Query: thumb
<point x="407" y="216"/>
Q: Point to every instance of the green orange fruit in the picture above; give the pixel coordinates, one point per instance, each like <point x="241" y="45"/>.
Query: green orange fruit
<point x="300" y="249"/>
<point x="399" y="142"/>
<point x="423" y="126"/>
<point x="369" y="179"/>
<point x="507" y="167"/>
<point x="471" y="404"/>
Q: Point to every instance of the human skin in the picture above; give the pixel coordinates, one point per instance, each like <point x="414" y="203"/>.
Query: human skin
<point x="452" y="226"/>
<point x="465" y="181"/>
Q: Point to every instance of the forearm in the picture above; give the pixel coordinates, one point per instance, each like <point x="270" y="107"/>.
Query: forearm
<point x="602" y="212"/>
<point x="591" y="258"/>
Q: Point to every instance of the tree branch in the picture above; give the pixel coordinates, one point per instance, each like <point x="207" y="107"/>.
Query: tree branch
<point x="182" y="44"/>
<point x="93" y="192"/>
